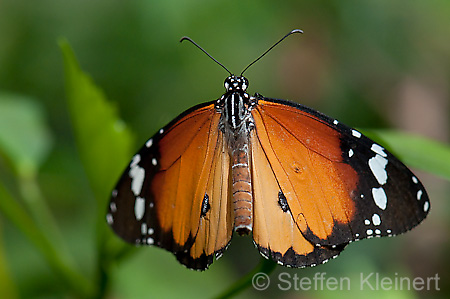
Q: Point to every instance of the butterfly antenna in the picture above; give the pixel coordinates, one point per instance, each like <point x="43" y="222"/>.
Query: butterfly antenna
<point x="262" y="55"/>
<point x="204" y="51"/>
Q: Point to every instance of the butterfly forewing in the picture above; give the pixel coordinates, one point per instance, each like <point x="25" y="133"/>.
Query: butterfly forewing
<point x="340" y="186"/>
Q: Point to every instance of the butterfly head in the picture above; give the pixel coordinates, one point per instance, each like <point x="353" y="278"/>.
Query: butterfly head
<point x="236" y="83"/>
<point x="235" y="105"/>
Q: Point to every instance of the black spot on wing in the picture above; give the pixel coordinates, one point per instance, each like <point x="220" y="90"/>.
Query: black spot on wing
<point x="205" y="205"/>
<point x="282" y="202"/>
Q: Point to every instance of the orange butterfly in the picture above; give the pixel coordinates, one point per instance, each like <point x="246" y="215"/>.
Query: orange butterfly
<point x="304" y="184"/>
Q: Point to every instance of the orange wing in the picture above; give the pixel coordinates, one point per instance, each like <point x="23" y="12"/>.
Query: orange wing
<point x="313" y="195"/>
<point x="174" y="194"/>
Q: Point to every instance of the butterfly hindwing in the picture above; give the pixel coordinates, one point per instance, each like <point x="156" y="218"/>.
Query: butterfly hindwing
<point x="162" y="198"/>
<point x="339" y="185"/>
<point x="216" y="220"/>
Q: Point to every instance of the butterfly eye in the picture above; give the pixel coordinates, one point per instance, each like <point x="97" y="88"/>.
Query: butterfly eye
<point x="230" y="83"/>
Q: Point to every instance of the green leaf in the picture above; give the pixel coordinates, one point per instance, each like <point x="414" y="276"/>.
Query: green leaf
<point x="12" y="210"/>
<point x="104" y="142"/>
<point x="24" y="136"/>
<point x="9" y="289"/>
<point x="258" y="278"/>
<point x="26" y="141"/>
<point x="415" y="151"/>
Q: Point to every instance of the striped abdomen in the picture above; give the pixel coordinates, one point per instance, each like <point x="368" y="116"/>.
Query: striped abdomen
<point x="242" y="190"/>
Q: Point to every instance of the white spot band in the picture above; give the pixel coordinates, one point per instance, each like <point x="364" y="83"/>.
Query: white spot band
<point x="376" y="219"/>
<point x="356" y="134"/>
<point x="137" y="175"/>
<point x="379" y="196"/>
<point x="139" y="208"/>
<point x="378" y="149"/>
<point x="377" y="165"/>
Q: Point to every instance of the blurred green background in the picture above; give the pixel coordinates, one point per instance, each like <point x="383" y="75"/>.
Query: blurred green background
<point x="370" y="64"/>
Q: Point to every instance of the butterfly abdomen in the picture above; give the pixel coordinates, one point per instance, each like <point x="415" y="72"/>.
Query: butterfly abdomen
<point x="242" y="190"/>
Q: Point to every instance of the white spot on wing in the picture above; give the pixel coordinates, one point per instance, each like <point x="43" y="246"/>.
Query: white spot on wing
<point x="263" y="255"/>
<point x="149" y="143"/>
<point x="415" y="180"/>
<point x="154" y="162"/>
<point x="367" y="222"/>
<point x="419" y="194"/>
<point x="378" y="149"/>
<point x="377" y="165"/>
<point x="135" y="161"/>
<point x="426" y="206"/>
<point x="356" y="134"/>
<point x="376" y="219"/>
<point x="350" y="153"/>
<point x="369" y="232"/>
<point x="137" y="175"/>
<point x="139" y="208"/>
<point x="109" y="219"/>
<point x="113" y="207"/>
<point x="161" y="131"/>
<point x="379" y="196"/>
<point x="335" y="122"/>
<point x="144" y="228"/>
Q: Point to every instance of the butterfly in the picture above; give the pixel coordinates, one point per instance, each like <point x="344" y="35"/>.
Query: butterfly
<point x="303" y="184"/>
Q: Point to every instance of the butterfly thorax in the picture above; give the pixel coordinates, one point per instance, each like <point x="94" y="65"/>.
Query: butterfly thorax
<point x="236" y="123"/>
